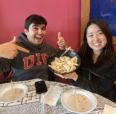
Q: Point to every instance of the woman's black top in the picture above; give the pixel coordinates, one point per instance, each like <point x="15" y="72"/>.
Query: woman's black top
<point x="98" y="78"/>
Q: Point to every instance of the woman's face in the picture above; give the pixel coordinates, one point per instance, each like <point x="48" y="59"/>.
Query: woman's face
<point x="96" y="39"/>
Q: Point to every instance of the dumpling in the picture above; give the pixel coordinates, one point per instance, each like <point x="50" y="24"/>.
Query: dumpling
<point x="74" y="59"/>
<point x="64" y="64"/>
<point x="53" y="67"/>
<point x="73" y="68"/>
<point x="66" y="67"/>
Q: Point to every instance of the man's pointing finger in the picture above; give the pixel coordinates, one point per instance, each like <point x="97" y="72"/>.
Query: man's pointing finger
<point x="22" y="49"/>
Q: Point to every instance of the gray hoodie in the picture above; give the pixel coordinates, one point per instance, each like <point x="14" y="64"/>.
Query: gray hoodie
<point x="30" y="65"/>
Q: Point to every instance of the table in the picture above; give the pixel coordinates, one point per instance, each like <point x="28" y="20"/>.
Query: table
<point x="31" y="103"/>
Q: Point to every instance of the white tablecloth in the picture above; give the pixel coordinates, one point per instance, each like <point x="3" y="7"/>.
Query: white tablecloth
<point x="31" y="103"/>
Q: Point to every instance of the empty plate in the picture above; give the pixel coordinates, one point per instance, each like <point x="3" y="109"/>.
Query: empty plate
<point x="83" y="102"/>
<point x="19" y="91"/>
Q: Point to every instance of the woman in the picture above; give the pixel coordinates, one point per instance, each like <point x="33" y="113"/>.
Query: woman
<point x="97" y="72"/>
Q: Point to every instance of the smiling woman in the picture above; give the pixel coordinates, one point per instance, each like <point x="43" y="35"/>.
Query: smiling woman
<point x="98" y="61"/>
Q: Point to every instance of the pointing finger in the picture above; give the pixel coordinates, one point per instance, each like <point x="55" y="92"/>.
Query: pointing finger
<point x="22" y="49"/>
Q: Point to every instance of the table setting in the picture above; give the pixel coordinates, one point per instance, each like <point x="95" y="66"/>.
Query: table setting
<point x="33" y="103"/>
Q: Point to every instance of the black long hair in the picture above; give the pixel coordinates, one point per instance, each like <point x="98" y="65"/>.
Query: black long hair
<point x="107" y="53"/>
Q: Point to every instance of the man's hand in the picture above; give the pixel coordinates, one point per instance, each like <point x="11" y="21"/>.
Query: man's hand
<point x="61" y="42"/>
<point x="10" y="50"/>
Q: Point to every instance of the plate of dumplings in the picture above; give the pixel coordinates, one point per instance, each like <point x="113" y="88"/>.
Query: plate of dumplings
<point x="66" y="64"/>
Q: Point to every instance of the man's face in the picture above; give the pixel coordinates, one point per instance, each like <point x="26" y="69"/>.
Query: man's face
<point x="36" y="34"/>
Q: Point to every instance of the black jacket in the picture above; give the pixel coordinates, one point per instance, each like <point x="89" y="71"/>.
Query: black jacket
<point x="98" y="78"/>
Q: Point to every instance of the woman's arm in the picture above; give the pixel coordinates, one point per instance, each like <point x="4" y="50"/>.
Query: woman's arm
<point x="99" y="85"/>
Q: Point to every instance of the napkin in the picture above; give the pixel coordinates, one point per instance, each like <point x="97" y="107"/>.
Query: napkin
<point x="52" y="95"/>
<point x="109" y="109"/>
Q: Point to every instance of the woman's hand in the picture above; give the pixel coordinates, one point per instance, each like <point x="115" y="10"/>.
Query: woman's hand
<point x="72" y="75"/>
<point x="61" y="42"/>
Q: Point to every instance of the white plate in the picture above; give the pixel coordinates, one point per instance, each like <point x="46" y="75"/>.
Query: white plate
<point x="85" y="104"/>
<point x="19" y="91"/>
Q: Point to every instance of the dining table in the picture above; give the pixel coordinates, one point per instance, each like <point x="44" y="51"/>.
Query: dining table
<point x="31" y="102"/>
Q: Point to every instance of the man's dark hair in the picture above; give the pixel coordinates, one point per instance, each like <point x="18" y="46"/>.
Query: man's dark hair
<point x="36" y="19"/>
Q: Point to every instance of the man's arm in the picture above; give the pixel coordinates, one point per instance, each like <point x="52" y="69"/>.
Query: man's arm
<point x="10" y="50"/>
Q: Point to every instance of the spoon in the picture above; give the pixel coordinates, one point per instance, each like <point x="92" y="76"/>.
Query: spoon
<point x="65" y="51"/>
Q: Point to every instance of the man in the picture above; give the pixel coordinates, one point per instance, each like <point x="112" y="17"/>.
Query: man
<point x="31" y="65"/>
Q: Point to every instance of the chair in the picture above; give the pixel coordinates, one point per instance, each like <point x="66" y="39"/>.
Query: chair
<point x="2" y="77"/>
<point x="5" y="77"/>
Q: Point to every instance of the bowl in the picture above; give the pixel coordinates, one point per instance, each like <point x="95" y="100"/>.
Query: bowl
<point x="58" y="53"/>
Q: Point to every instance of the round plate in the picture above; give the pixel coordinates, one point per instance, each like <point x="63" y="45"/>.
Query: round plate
<point x="19" y="91"/>
<point x="58" y="53"/>
<point x="87" y="101"/>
